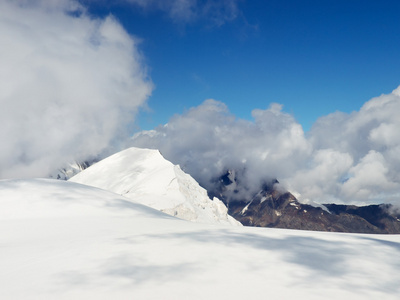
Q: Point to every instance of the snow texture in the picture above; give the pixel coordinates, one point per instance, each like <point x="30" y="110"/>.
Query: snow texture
<point x="62" y="240"/>
<point x="145" y="176"/>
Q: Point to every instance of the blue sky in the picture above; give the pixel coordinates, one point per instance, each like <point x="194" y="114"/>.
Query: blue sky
<point x="314" y="57"/>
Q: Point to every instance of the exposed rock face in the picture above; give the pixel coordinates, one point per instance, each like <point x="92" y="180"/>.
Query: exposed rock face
<point x="271" y="208"/>
<point x="382" y="217"/>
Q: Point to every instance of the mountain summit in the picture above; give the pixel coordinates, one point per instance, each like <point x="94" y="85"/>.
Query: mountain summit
<point x="144" y="175"/>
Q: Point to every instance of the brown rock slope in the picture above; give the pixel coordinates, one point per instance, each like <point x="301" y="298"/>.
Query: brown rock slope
<point x="270" y="208"/>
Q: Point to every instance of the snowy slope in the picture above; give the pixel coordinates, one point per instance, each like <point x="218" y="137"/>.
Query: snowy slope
<point x="145" y="176"/>
<point x="62" y="240"/>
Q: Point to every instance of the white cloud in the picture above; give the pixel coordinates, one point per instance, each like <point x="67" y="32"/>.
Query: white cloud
<point x="348" y="158"/>
<point x="208" y="140"/>
<point x="187" y="11"/>
<point x="370" y="137"/>
<point x="369" y="176"/>
<point x="323" y="174"/>
<point x="70" y="84"/>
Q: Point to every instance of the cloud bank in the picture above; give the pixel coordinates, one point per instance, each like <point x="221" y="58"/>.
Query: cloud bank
<point x="70" y="85"/>
<point x="345" y="158"/>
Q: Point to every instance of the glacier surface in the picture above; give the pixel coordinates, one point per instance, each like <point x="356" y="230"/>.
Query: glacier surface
<point x="63" y="240"/>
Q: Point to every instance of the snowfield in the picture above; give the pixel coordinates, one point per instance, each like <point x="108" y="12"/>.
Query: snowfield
<point x="144" y="175"/>
<point x="63" y="240"/>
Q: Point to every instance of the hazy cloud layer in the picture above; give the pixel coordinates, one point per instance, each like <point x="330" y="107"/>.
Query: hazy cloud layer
<point x="69" y="85"/>
<point x="351" y="158"/>
<point x="217" y="12"/>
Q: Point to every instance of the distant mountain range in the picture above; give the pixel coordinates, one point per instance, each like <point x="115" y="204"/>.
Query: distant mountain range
<point x="277" y="209"/>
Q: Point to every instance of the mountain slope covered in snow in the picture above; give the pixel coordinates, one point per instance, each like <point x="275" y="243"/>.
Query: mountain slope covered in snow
<point x="145" y="176"/>
<point x="62" y="240"/>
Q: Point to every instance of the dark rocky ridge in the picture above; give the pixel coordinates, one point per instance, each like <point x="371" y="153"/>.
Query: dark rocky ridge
<point x="275" y="209"/>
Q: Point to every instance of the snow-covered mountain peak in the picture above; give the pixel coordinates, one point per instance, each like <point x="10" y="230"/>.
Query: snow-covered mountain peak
<point x="144" y="175"/>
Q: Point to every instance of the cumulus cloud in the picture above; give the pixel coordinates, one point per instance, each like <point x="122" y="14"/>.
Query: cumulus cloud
<point x="370" y="138"/>
<point x="345" y="158"/>
<point x="187" y="11"/>
<point x="70" y="85"/>
<point x="208" y="140"/>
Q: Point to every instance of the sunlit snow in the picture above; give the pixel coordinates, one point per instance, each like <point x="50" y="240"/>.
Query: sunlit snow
<point x="62" y="240"/>
<point x="145" y="176"/>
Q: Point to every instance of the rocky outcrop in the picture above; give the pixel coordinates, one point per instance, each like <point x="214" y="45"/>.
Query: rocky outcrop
<point x="276" y="209"/>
